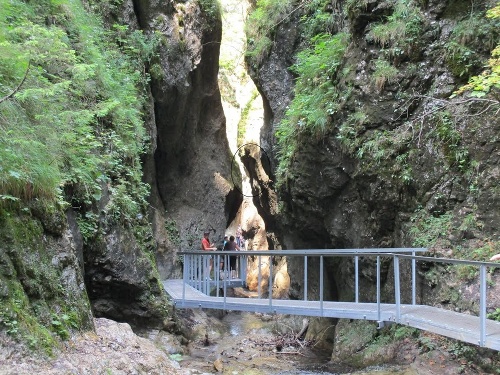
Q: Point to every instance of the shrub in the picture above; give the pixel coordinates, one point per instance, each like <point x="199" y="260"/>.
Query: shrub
<point x="426" y="229"/>
<point x="464" y="54"/>
<point x="489" y="79"/>
<point x="261" y="25"/>
<point x="75" y="124"/>
<point x="384" y="73"/>
<point x="316" y="97"/>
<point x="402" y="30"/>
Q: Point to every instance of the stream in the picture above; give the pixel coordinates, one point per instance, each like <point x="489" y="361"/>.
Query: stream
<point x="246" y="343"/>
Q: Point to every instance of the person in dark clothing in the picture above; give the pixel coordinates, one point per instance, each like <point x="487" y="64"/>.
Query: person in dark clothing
<point x="232" y="245"/>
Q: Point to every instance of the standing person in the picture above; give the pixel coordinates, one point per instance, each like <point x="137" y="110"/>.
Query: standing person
<point x="232" y="245"/>
<point x="238" y="235"/>
<point x="207" y="246"/>
<point x="221" y="266"/>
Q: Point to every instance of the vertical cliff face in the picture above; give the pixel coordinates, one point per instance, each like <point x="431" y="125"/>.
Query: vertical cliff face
<point x="189" y="168"/>
<point x="87" y="247"/>
<point x="399" y="163"/>
<point x="186" y="164"/>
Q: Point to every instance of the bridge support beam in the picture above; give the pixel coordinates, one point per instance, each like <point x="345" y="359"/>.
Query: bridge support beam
<point x="397" y="289"/>
<point x="482" y="305"/>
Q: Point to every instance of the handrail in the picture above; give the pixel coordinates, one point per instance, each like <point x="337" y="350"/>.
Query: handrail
<point x="196" y="273"/>
<point x="313" y="252"/>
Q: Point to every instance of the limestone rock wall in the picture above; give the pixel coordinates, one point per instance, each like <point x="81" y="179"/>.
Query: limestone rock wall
<point x="186" y="166"/>
<point x="189" y="168"/>
<point x="336" y="198"/>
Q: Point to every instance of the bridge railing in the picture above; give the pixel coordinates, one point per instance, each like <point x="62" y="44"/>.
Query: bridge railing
<point x="209" y="272"/>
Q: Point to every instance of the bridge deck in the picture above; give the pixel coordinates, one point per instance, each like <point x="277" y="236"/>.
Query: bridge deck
<point x="448" y="323"/>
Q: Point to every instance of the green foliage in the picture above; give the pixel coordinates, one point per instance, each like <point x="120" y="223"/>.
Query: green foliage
<point x="462" y="351"/>
<point x="350" y="130"/>
<point x="378" y="150"/>
<point x="172" y="231"/>
<point x="9" y="320"/>
<point x="89" y="225"/>
<point x="446" y="131"/>
<point x="242" y="124"/>
<point x="316" y="97"/>
<point x="32" y="284"/>
<point x="58" y="327"/>
<point x="467" y="273"/>
<point x="261" y="25"/>
<point x="402" y="30"/>
<point x="495" y="315"/>
<point x="480" y="253"/>
<point x="426" y="229"/>
<point x="75" y="125"/>
<point x="19" y="322"/>
<point x="316" y="20"/>
<point x="463" y="51"/>
<point x="71" y="134"/>
<point x="460" y="59"/>
<point x="63" y="324"/>
<point x="402" y="332"/>
<point x="384" y="73"/>
<point x="489" y="80"/>
<point x="176" y="357"/>
<point x="378" y="339"/>
<point x="104" y="7"/>
<point x="211" y="8"/>
<point x="426" y="344"/>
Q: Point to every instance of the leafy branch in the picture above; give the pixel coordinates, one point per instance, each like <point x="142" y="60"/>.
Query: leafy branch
<point x="488" y="82"/>
<point x="18" y="86"/>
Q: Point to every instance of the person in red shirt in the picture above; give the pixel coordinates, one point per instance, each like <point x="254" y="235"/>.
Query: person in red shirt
<point x="206" y="245"/>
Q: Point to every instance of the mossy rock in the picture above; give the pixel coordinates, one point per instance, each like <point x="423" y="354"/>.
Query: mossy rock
<point x="351" y="337"/>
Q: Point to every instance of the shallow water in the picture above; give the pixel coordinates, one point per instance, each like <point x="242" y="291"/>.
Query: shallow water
<point x="248" y="347"/>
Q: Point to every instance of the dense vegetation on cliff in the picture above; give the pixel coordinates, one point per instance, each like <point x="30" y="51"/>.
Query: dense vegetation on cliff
<point x="72" y="109"/>
<point x="72" y="102"/>
<point x="321" y="90"/>
<point x="384" y="119"/>
<point x="378" y="143"/>
<point x="360" y="89"/>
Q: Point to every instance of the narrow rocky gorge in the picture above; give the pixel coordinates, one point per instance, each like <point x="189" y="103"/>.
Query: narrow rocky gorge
<point x="401" y="163"/>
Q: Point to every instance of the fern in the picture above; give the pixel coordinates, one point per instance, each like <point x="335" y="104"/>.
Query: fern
<point x="316" y="97"/>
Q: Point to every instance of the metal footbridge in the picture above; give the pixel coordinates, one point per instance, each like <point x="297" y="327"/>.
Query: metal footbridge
<point x="207" y="278"/>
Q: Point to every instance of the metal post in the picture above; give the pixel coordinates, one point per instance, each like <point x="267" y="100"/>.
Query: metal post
<point x="305" y="277"/>
<point x="413" y="279"/>
<point x="356" y="278"/>
<point x="207" y="278"/>
<point x="378" y="288"/>
<point x="217" y="274"/>
<point x="270" y="283"/>
<point x="199" y="277"/>
<point x="192" y="268"/>
<point x="259" y="278"/>
<point x="482" y="305"/>
<point x="185" y="277"/>
<point x="321" y="284"/>
<point x="206" y="274"/>
<point x="236" y="268"/>
<point x="243" y="265"/>
<point x="197" y="271"/>
<point x="193" y="271"/>
<point x="224" y="281"/>
<point x="225" y="260"/>
<point x="397" y="294"/>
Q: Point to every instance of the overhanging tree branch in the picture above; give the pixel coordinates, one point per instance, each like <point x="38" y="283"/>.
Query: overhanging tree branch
<point x="18" y="86"/>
